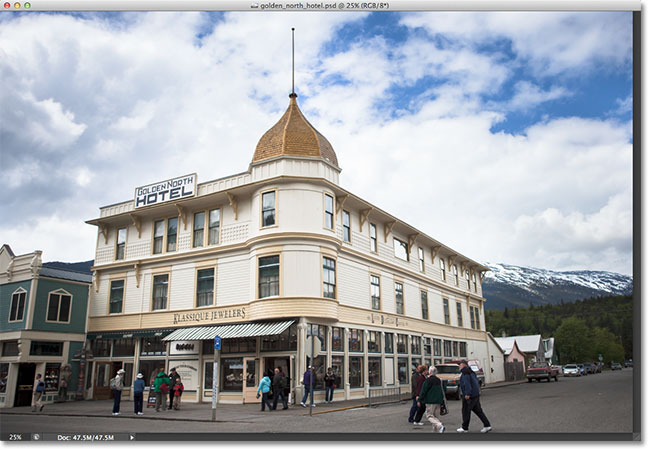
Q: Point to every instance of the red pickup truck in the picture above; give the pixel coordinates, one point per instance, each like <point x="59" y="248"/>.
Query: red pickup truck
<point x="541" y="370"/>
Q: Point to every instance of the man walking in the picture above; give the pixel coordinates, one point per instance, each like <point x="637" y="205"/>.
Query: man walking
<point x="470" y="401"/>
<point x="417" y="383"/>
<point x="431" y="396"/>
<point x="39" y="388"/>
<point x="117" y="385"/>
<point x="307" y="386"/>
<point x="278" y="386"/>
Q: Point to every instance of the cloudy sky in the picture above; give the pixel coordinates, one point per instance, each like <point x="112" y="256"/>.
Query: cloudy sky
<point x="507" y="136"/>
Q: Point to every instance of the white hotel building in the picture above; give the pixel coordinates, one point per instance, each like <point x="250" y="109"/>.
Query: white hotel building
<point x="263" y="259"/>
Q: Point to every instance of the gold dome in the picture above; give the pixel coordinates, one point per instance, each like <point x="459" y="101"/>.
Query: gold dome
<point x="293" y="135"/>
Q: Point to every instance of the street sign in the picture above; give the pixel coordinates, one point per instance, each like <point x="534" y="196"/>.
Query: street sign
<point x="313" y="344"/>
<point x="217" y="343"/>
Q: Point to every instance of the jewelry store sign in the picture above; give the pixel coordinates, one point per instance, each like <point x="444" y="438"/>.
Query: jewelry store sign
<point x="215" y="316"/>
<point x="166" y="191"/>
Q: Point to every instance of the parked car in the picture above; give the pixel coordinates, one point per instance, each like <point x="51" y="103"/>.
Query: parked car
<point x="449" y="375"/>
<point x="541" y="370"/>
<point x="628" y="363"/>
<point x="589" y="367"/>
<point x="474" y="365"/>
<point x="582" y="369"/>
<point x="571" y="370"/>
<point x="616" y="366"/>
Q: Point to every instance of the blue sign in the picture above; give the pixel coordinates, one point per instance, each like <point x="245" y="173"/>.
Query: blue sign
<point x="217" y="343"/>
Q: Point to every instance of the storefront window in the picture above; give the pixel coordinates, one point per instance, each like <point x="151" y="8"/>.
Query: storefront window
<point x="416" y="345"/>
<point x="375" y="378"/>
<point x="232" y="375"/>
<point x="241" y="345"/>
<point x="51" y="379"/>
<point x="463" y="351"/>
<point x="427" y="347"/>
<point x="128" y="376"/>
<point x="209" y="375"/>
<point x="208" y="347"/>
<point x="355" y="371"/>
<point x="4" y="373"/>
<point x="437" y="347"/>
<point x="389" y="343"/>
<point x="10" y="348"/>
<point x="150" y="369"/>
<point x="455" y="348"/>
<point x="338" y="339"/>
<point x="401" y="345"/>
<point x="415" y="363"/>
<point x="46" y="348"/>
<point x="355" y="340"/>
<point x="447" y="348"/>
<point x="124" y="347"/>
<point x="373" y="342"/>
<point x="287" y="340"/>
<point x="319" y="331"/>
<point x="337" y="364"/>
<point x="403" y="373"/>
<point x="320" y="370"/>
<point x="153" y="346"/>
<point x="100" y="347"/>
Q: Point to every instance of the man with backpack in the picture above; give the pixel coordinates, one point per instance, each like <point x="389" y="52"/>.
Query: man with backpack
<point x="116" y="386"/>
<point x="161" y="389"/>
<point x="39" y="388"/>
<point x="278" y="386"/>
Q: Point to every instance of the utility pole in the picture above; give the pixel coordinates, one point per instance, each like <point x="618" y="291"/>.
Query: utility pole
<point x="217" y="348"/>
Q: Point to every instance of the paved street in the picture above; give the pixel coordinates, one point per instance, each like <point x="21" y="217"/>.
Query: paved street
<point x="596" y="403"/>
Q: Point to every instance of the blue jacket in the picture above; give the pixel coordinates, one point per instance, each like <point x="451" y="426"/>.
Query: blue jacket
<point x="264" y="385"/>
<point x="307" y="378"/>
<point x="138" y="386"/>
<point x="468" y="383"/>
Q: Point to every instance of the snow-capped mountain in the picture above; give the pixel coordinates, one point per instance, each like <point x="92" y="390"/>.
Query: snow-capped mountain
<point x="509" y="286"/>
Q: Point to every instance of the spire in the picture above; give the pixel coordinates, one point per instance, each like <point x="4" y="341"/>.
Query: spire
<point x="292" y="94"/>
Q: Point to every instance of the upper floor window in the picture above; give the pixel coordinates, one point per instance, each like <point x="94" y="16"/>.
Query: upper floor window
<point x="443" y="270"/>
<point x="329" y="277"/>
<point x="398" y="289"/>
<point x="268" y="276"/>
<point x="421" y="256"/>
<point x="436" y="346"/>
<point x="346" y="226"/>
<point x="455" y="272"/>
<point x="474" y="318"/>
<point x="58" y="306"/>
<point x="446" y="311"/>
<point x="459" y="315"/>
<point x="373" y="237"/>
<point x="467" y="279"/>
<point x="116" y="296"/>
<point x="424" y="305"/>
<point x="17" y="311"/>
<point x="205" y="287"/>
<point x="375" y="292"/>
<point x="416" y="345"/>
<point x="389" y="343"/>
<point x="401" y="343"/>
<point x="401" y="249"/>
<point x="328" y="211"/>
<point x="158" y="236"/>
<point x="121" y="243"/>
<point x="160" y="291"/>
<point x="474" y="278"/>
<point x="268" y="208"/>
<point x="214" y="226"/>
<point x="199" y="229"/>
<point x="172" y="234"/>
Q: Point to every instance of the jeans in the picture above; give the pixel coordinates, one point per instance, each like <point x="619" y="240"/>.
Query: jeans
<point x="171" y="397"/>
<point x="279" y="393"/>
<point x="329" y="393"/>
<point x="138" y="400"/>
<point x="306" y="392"/>
<point x="117" y="395"/>
<point x="420" y="410"/>
<point x="413" y="410"/>
<point x="265" y="401"/>
<point x="472" y="405"/>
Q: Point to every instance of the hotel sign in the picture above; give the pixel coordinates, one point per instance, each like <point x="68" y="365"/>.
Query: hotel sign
<point x="166" y="191"/>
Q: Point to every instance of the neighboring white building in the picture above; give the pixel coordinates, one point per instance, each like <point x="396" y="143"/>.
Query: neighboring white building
<point x="549" y="354"/>
<point x="494" y="371"/>
<point x="264" y="258"/>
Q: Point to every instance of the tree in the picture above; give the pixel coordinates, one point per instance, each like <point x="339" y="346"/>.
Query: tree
<point x="607" y="345"/>
<point x="574" y="341"/>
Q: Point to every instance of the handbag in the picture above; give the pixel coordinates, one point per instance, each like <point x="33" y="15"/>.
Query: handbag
<point x="444" y="405"/>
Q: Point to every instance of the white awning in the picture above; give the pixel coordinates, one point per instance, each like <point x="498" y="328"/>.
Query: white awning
<point x="240" y="330"/>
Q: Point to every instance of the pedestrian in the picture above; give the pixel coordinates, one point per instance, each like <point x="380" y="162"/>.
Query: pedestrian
<point x="420" y="408"/>
<point x="263" y="390"/>
<point x="417" y="383"/>
<point x="286" y="380"/>
<point x="431" y="398"/>
<point x="178" y="388"/>
<point x="278" y="386"/>
<point x="161" y="389"/>
<point x="117" y="385"/>
<point x="329" y="380"/>
<point x="307" y="386"/>
<point x="470" y="401"/>
<point x="173" y="377"/>
<point x="39" y="388"/>
<point x="138" y="394"/>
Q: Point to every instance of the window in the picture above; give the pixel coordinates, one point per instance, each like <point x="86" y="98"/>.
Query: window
<point x="17" y="311"/>
<point x="160" y="291"/>
<point x="320" y="370"/>
<point x="337" y="335"/>
<point x="467" y="279"/>
<point x="268" y="276"/>
<point x="401" y="249"/>
<point x="436" y="345"/>
<point x="373" y="341"/>
<point x="416" y="345"/>
<point x="455" y="348"/>
<point x="398" y="288"/>
<point x="443" y="272"/>
<point x="463" y="351"/>
<point x="424" y="305"/>
<point x="415" y="363"/>
<point x="401" y="343"/>
<point x="337" y="364"/>
<point x="4" y="373"/>
<point x="58" y="306"/>
<point x="459" y="315"/>
<point x="236" y="345"/>
<point x="124" y="347"/>
<point x="10" y="348"/>
<point x="355" y="340"/>
<point x="474" y="318"/>
<point x="375" y="378"/>
<point x="427" y="347"/>
<point x="205" y="287"/>
<point x="474" y="278"/>
<point x="287" y="340"/>
<point x="346" y="226"/>
<point x="116" y="296"/>
<point x="403" y="372"/>
<point x="421" y="259"/>
<point x="153" y="346"/>
<point x="158" y="236"/>
<point x="319" y="331"/>
<point x="268" y="209"/>
<point x="46" y="348"/>
<point x="375" y="292"/>
<point x="121" y="243"/>
<point x="389" y="343"/>
<point x="456" y="274"/>
<point x="172" y="234"/>
<point x="328" y="211"/>
<point x="329" y="277"/>
<point x="214" y="226"/>
<point x="447" y="348"/>
<point x="373" y="237"/>
<point x="100" y="347"/>
<point x="355" y="371"/>
<point x="232" y="375"/>
<point x="477" y="322"/>
<point x="198" y="229"/>
<point x="446" y="311"/>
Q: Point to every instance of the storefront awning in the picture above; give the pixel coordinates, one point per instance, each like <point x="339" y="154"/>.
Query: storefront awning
<point x="240" y="330"/>
<point x="129" y="334"/>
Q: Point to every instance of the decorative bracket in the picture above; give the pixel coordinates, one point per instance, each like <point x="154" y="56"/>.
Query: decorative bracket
<point x="411" y="240"/>
<point x="105" y="230"/>
<point x="138" y="274"/>
<point x="435" y="252"/>
<point x="482" y="274"/>
<point x="234" y="204"/>
<point x="388" y="229"/>
<point x="182" y="212"/>
<point x="451" y="260"/>
<point x="96" y="280"/>
<point x="340" y="203"/>
<point x="10" y="270"/>
<point x="364" y="215"/>
<point x="137" y="222"/>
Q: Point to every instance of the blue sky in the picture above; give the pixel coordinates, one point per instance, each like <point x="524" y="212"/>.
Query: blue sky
<point x="507" y="136"/>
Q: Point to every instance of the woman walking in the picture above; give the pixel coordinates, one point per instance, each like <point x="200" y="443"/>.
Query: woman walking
<point x="432" y="396"/>
<point x="264" y="389"/>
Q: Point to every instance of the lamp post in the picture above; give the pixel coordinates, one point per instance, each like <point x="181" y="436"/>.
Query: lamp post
<point x="83" y="354"/>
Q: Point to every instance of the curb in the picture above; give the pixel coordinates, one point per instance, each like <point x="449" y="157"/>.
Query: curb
<point x="126" y="417"/>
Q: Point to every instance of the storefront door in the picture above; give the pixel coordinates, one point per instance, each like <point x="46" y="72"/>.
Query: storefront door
<point x="25" y="384"/>
<point x="282" y="362"/>
<point x="251" y="371"/>
<point x="104" y="372"/>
